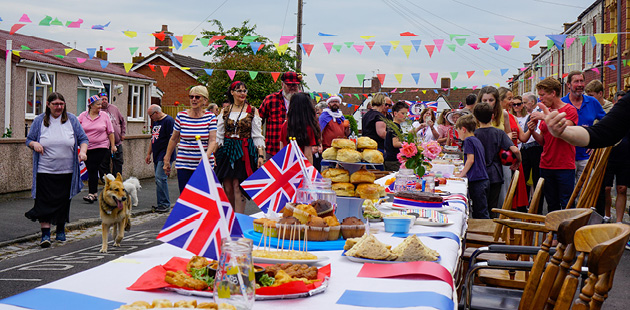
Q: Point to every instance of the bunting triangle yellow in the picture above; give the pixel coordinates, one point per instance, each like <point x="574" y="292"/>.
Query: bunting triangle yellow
<point x="128" y="66"/>
<point x="516" y="44"/>
<point x="407" y="49"/>
<point x="68" y="50"/>
<point x="486" y="72"/>
<point x="394" y="44"/>
<point x="398" y="77"/>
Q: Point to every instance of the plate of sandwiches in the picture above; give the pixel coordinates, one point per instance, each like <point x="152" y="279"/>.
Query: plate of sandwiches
<point x="368" y="249"/>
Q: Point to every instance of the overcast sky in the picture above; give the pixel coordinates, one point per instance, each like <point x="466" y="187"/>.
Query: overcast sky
<point x="348" y="19"/>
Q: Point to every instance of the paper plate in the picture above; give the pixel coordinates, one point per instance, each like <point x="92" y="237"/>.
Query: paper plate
<point x="375" y="261"/>
<point x="426" y="222"/>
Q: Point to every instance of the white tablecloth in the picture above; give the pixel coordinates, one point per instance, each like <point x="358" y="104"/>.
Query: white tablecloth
<point x="110" y="280"/>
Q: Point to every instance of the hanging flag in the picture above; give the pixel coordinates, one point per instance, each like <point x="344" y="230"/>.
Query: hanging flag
<point x="416" y="44"/>
<point x="164" y="70"/>
<point x="606" y="38"/>
<point x="328" y="46"/>
<point x="15" y="28"/>
<point x="281" y="48"/>
<point x="202" y="216"/>
<point x="470" y="73"/>
<point x="454" y="75"/>
<point x="127" y="66"/>
<point x="407" y="50"/>
<point x="25" y="19"/>
<point x="208" y="71"/>
<point x="359" y="48"/>
<point x="232" y="43"/>
<point x="175" y="42"/>
<point x="253" y="74"/>
<point x="386" y="49"/>
<point x="231" y="74"/>
<point x="275" y="76"/>
<point x="416" y="77"/>
<point x="366" y="37"/>
<point x="337" y="47"/>
<point x="45" y="21"/>
<point x="340" y="77"/>
<point x="495" y="45"/>
<point x="504" y="41"/>
<point x="398" y="77"/>
<point x="569" y="41"/>
<point x="394" y="44"/>
<point x="486" y="72"/>
<point x="475" y="46"/>
<point x="438" y="44"/>
<point x="434" y="76"/>
<point x="131" y="34"/>
<point x="320" y="77"/>
<point x="370" y="44"/>
<point x="91" y="52"/>
<point x="408" y="34"/>
<point x="360" y="78"/>
<point x="81" y="60"/>
<point x="248" y="39"/>
<point x="68" y="50"/>
<point x="430" y="49"/>
<point x="285" y="39"/>
<point x="56" y="22"/>
<point x="381" y="78"/>
<point x="104" y="64"/>
<point x="558" y="39"/>
<point x="102" y="27"/>
<point x="275" y="183"/>
<point x="451" y="47"/>
<point x="533" y="43"/>
<point x="348" y="44"/>
<point x="308" y="48"/>
<point x="187" y="40"/>
<point x="255" y="46"/>
<point x="516" y="44"/>
<point x="461" y="41"/>
<point x="484" y="40"/>
<point x="132" y="50"/>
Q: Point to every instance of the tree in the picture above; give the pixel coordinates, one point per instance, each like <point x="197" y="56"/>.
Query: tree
<point x="243" y="59"/>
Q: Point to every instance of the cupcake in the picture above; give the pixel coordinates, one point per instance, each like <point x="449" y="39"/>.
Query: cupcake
<point x="288" y="210"/>
<point x="270" y="229"/>
<point x="288" y="224"/>
<point x="352" y="227"/>
<point x="259" y="224"/>
<point x="322" y="207"/>
<point x="317" y="229"/>
<point x="334" y="227"/>
<point x="304" y="213"/>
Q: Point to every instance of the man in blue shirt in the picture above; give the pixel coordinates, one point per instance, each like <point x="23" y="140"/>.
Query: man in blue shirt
<point x="589" y="110"/>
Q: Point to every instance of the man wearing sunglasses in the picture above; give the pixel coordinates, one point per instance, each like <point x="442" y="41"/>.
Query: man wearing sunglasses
<point x="273" y="110"/>
<point x="120" y="128"/>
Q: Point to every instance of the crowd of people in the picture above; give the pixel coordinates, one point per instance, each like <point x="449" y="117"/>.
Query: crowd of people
<point x="538" y="130"/>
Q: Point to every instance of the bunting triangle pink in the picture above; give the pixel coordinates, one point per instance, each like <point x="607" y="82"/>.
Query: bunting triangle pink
<point x="328" y="46"/>
<point x="81" y="60"/>
<point x="569" y="41"/>
<point x="475" y="46"/>
<point x="359" y="48"/>
<point x="438" y="44"/>
<point x="231" y="43"/>
<point x="370" y="44"/>
<point x="231" y="74"/>
<point x="430" y="49"/>
<point x="504" y="41"/>
<point x="25" y="19"/>
<point x="340" y="77"/>
<point x="434" y="76"/>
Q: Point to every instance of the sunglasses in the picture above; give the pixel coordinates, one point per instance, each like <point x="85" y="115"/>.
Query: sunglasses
<point x="517" y="104"/>
<point x="102" y="94"/>
<point x="241" y="91"/>
<point x="194" y="97"/>
<point x="388" y="105"/>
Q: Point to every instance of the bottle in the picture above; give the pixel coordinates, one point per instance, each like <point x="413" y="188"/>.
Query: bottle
<point x="320" y="189"/>
<point x="235" y="282"/>
<point x="405" y="180"/>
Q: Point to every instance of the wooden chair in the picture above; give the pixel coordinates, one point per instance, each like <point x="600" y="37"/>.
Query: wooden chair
<point x="591" y="179"/>
<point x="555" y="289"/>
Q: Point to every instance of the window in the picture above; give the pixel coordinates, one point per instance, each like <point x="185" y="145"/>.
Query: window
<point x="39" y="84"/>
<point x="86" y="88"/>
<point x="136" y="103"/>
<point x="90" y="82"/>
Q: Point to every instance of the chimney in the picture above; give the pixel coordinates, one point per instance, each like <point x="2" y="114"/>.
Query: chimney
<point x="376" y="85"/>
<point x="101" y="54"/>
<point x="137" y="59"/>
<point x="163" y="45"/>
<point x="445" y="83"/>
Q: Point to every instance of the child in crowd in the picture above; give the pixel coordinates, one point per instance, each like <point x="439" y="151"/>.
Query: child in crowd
<point x="493" y="140"/>
<point x="474" y="166"/>
<point x="392" y="143"/>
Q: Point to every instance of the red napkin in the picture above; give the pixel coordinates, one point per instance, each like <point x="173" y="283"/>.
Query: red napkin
<point x="410" y="270"/>
<point x="154" y="279"/>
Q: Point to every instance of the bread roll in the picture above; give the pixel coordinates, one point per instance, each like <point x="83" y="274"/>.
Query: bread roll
<point x="336" y="174"/>
<point x="330" y="154"/>
<point x="186" y="304"/>
<point x="142" y="303"/>
<point x="344" y="144"/>
<point x="350" y="156"/>
<point x="373" y="156"/>
<point x="343" y="189"/>
<point x="162" y="303"/>
<point x="207" y="305"/>
<point x="362" y="176"/>
<point x="368" y="191"/>
<point x="366" y="143"/>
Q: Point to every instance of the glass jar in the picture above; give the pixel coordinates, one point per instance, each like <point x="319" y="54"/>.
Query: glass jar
<point x="429" y="183"/>
<point x="319" y="189"/>
<point x="235" y="282"/>
<point x="405" y="180"/>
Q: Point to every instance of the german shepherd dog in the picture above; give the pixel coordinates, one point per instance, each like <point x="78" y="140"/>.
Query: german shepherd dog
<point x="115" y="209"/>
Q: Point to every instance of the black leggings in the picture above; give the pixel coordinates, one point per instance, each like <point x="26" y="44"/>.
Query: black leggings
<point x="94" y="159"/>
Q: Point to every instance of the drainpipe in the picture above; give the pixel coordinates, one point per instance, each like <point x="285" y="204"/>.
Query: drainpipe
<point x="7" y="87"/>
<point x="619" y="32"/>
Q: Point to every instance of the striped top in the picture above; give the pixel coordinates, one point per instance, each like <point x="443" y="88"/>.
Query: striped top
<point x="188" y="154"/>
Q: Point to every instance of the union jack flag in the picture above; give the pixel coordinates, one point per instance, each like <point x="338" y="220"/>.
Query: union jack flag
<point x="432" y="105"/>
<point x="202" y="215"/>
<point x="276" y="182"/>
<point x="83" y="170"/>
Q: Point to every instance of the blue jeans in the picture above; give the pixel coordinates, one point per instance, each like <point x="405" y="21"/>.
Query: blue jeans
<point x="161" y="185"/>
<point x="558" y="187"/>
<point x="478" y="194"/>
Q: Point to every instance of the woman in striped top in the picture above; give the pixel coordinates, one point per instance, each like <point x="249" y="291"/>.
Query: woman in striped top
<point x="192" y="122"/>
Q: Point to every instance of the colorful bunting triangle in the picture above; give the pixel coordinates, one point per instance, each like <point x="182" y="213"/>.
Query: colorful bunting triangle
<point x="381" y="78"/>
<point x="434" y="76"/>
<point x="256" y="46"/>
<point x="164" y="70"/>
<point x="386" y="49"/>
<point x="430" y="49"/>
<point x="337" y="47"/>
<point x="91" y="52"/>
<point x="438" y="44"/>
<point x="470" y="73"/>
<point x="208" y="71"/>
<point x="253" y="74"/>
<point x="416" y="44"/>
<point x="416" y="77"/>
<point x="127" y="66"/>
<point x="370" y="44"/>
<point x="45" y="21"/>
<point x="340" y="77"/>
<point x="231" y="74"/>
<point x="360" y="78"/>
<point x="533" y="43"/>
<point x="329" y="45"/>
<point x="398" y="77"/>
<point x="359" y="48"/>
<point x="132" y="50"/>
<point x="348" y="44"/>
<point x="320" y="77"/>
<point x="407" y="50"/>
<point x="25" y="19"/>
<point x="104" y="63"/>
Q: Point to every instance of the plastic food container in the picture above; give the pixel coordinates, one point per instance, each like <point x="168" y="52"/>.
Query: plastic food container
<point x="397" y="225"/>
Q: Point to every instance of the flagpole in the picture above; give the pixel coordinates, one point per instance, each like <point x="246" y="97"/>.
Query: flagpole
<point x="223" y="224"/>
<point x="301" y="162"/>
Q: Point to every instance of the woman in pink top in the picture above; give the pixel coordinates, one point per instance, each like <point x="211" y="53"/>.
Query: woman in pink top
<point x="100" y="132"/>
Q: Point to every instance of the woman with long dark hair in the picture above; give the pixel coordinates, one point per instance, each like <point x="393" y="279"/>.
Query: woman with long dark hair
<point x="301" y="124"/>
<point x="241" y="144"/>
<point x="58" y="143"/>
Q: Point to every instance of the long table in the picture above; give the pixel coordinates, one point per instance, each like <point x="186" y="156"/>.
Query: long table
<point x="109" y="281"/>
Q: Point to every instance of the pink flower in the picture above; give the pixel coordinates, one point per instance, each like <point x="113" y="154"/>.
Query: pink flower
<point x="408" y="150"/>
<point x="401" y="158"/>
<point x="431" y="149"/>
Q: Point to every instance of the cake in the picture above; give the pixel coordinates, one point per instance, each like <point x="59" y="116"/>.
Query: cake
<point x="412" y="249"/>
<point x="343" y="144"/>
<point x="270" y="229"/>
<point x="336" y="174"/>
<point x="317" y="229"/>
<point x="286" y="225"/>
<point x="352" y="227"/>
<point x="422" y="196"/>
<point x="334" y="227"/>
<point x="288" y="209"/>
<point x="304" y="212"/>
<point x="366" y="143"/>
<point x="259" y="223"/>
<point x="330" y="154"/>
<point x="322" y="207"/>
<point x="415" y="199"/>
<point x="368" y="191"/>
<point x="343" y="189"/>
<point x="349" y="156"/>
<point x="362" y="176"/>
<point x="372" y="156"/>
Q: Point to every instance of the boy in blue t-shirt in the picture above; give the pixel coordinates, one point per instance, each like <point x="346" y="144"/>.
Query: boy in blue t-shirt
<point x="474" y="167"/>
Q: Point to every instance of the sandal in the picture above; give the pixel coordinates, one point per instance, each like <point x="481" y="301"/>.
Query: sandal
<point x="91" y="198"/>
